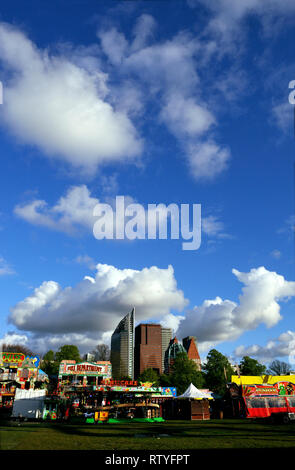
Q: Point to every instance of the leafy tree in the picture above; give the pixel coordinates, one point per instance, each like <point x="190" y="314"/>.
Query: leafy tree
<point x="250" y="366"/>
<point x="218" y="372"/>
<point x="150" y="375"/>
<point x="101" y="352"/>
<point x="49" y="365"/>
<point x="49" y="356"/>
<point x="68" y="351"/>
<point x="18" y="348"/>
<point x="184" y="372"/>
<point x="165" y="380"/>
<point x="279" y="368"/>
<point x="50" y="368"/>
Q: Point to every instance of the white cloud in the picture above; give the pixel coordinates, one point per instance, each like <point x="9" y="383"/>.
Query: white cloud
<point x="71" y="212"/>
<point x="283" y="346"/>
<point x="259" y="301"/>
<point x="97" y="303"/>
<point x="89" y="311"/>
<point x="168" y="74"/>
<point x="41" y="343"/>
<point x="221" y="320"/>
<point x="172" y="321"/>
<point x="212" y="226"/>
<point x="14" y="338"/>
<point x="69" y="108"/>
<point x="61" y="107"/>
<point x="185" y="117"/>
<point x="207" y="160"/>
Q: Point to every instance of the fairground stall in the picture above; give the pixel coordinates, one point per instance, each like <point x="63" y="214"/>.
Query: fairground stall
<point x="132" y="399"/>
<point x="263" y="397"/>
<point x="115" y="400"/>
<point x="18" y="371"/>
<point x="193" y="404"/>
<point x="84" y="374"/>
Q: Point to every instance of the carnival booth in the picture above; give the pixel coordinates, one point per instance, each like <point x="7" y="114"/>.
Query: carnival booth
<point x="18" y="371"/>
<point x="117" y="401"/>
<point x="265" y="396"/>
<point x="193" y="404"/>
<point x="137" y="401"/>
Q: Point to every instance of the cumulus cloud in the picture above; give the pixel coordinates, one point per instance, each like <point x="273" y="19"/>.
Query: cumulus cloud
<point x="62" y="107"/>
<point x="283" y="346"/>
<point x="171" y="321"/>
<point x="14" y="338"/>
<point x="97" y="303"/>
<point x="169" y="72"/>
<point x="219" y="320"/>
<point x="70" y="213"/>
<point x="88" y="312"/>
<point x="41" y="343"/>
<point x="207" y="159"/>
<point x="65" y="104"/>
<point x="259" y="301"/>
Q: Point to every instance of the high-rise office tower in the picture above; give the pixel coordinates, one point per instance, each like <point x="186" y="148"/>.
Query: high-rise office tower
<point x="148" y="348"/>
<point x="166" y="338"/>
<point x="122" y="347"/>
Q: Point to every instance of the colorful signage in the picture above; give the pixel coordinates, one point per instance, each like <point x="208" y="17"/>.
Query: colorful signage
<point x="136" y="389"/>
<point x="122" y="383"/>
<point x="261" y="379"/>
<point x="279" y="388"/>
<point x="31" y="361"/>
<point x="285" y="388"/>
<point x="169" y="391"/>
<point x="85" y="368"/>
<point x="12" y="358"/>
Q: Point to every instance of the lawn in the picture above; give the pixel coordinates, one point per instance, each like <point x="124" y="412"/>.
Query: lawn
<point x="171" y="435"/>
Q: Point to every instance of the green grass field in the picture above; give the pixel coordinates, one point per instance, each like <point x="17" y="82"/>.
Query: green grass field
<point x="171" y="435"/>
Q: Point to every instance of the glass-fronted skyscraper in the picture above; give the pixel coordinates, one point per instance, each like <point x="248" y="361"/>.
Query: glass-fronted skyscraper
<point x="122" y="347"/>
<point x="166" y="338"/>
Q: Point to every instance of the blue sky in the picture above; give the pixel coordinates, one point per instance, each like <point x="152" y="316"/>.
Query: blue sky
<point x="180" y="102"/>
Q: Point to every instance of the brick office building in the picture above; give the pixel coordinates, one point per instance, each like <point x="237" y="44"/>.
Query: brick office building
<point x="190" y="345"/>
<point x="148" y="348"/>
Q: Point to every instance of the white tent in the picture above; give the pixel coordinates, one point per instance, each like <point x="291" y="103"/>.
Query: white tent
<point x="193" y="392"/>
<point x="28" y="403"/>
